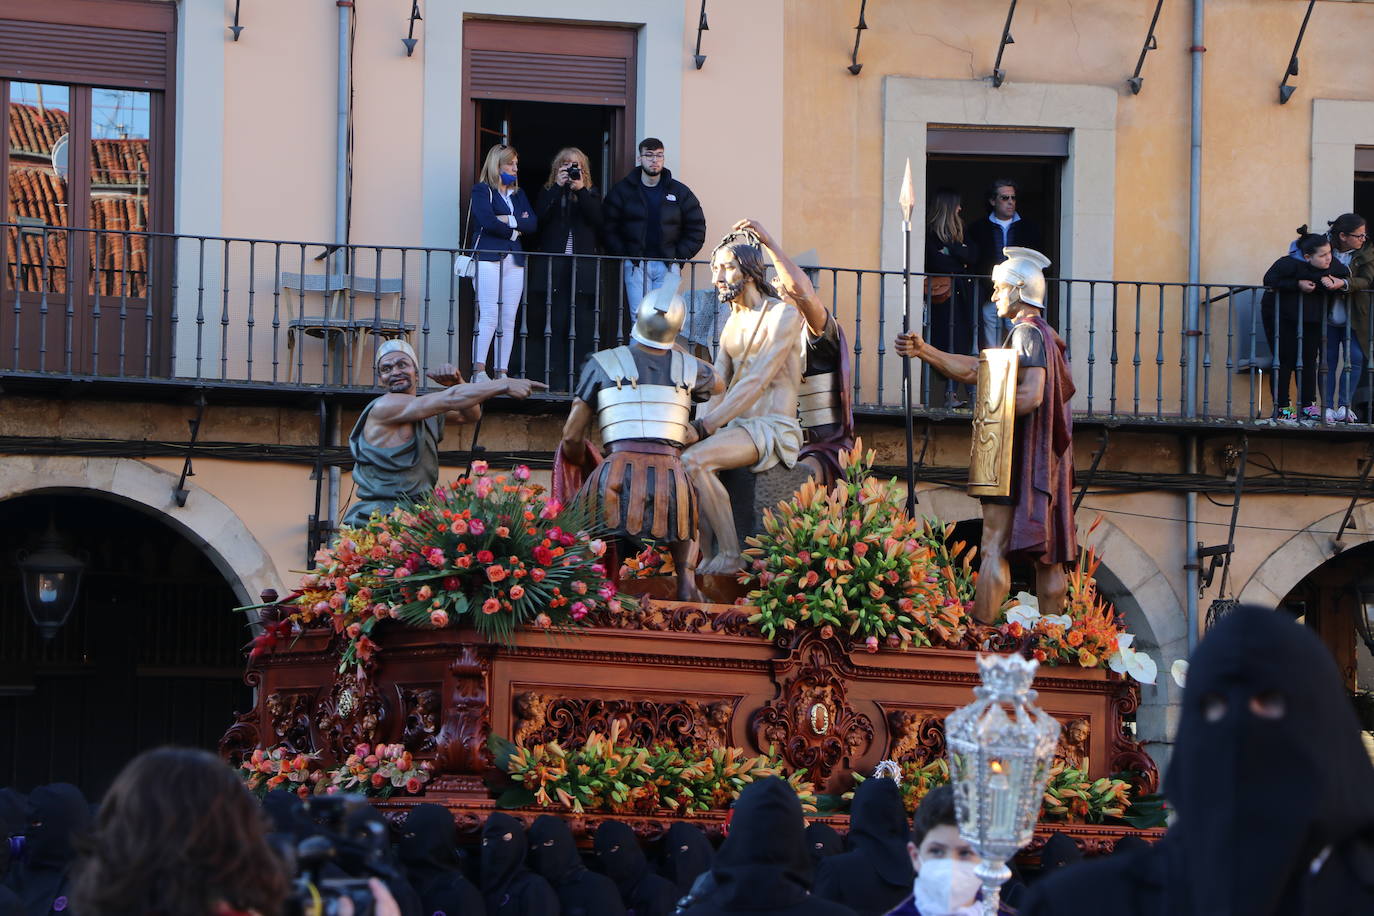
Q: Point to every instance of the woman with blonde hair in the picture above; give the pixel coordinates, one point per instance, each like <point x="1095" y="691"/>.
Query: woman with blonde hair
<point x="560" y="313"/>
<point x="951" y="299"/>
<point x="502" y="214"/>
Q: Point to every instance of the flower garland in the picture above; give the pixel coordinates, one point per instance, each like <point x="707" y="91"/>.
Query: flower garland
<point x="606" y="775"/>
<point x="375" y="772"/>
<point x="486" y="549"/>
<point x="848" y="558"/>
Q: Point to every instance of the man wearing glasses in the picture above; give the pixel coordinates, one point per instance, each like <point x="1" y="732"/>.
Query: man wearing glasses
<point x="1002" y="228"/>
<point x="652" y="221"/>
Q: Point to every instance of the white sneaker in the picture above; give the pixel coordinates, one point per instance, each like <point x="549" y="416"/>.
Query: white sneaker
<point x="1348" y="415"/>
<point x="1333" y="415"/>
<point x="480" y="376"/>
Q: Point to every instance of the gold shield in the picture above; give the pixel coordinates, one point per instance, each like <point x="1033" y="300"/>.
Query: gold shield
<point x="994" y="416"/>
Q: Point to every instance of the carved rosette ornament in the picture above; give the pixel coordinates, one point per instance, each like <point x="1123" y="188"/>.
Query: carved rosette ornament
<point x="916" y="736"/>
<point x="461" y="758"/>
<point x="698" y="724"/>
<point x="354" y="713"/>
<point x="810" y="720"/>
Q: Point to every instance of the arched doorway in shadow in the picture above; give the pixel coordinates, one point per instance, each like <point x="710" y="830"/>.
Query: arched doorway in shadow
<point x="151" y="654"/>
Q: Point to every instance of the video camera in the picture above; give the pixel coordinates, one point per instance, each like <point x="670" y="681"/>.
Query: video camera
<point x="359" y="851"/>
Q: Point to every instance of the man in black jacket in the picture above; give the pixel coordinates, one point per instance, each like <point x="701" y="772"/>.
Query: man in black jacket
<point x="1002" y="228"/>
<point x="651" y="220"/>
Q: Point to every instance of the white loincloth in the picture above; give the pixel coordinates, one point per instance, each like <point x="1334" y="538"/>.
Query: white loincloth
<point x="778" y="439"/>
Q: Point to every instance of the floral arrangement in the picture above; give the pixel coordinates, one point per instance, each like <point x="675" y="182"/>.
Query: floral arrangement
<point x="277" y="768"/>
<point x="1075" y="797"/>
<point x="487" y="549"/>
<point x="606" y="775"/>
<point x="649" y="563"/>
<point x="848" y="558"/>
<point x="379" y="772"/>
<point x="1089" y="633"/>
<point x="917" y="780"/>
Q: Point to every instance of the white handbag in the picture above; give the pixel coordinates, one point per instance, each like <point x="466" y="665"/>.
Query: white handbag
<point x="465" y="265"/>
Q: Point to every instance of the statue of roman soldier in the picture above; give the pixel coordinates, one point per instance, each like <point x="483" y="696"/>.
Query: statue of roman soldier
<point x="1021" y="465"/>
<point x="640" y="397"/>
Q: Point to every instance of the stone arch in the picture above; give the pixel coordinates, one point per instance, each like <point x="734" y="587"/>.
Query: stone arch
<point x="205" y="521"/>
<point x="1275" y="575"/>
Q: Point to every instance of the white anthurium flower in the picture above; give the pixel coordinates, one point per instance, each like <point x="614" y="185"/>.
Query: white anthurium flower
<point x="1062" y="620"/>
<point x="1179" y="671"/>
<point x="1026" y="599"/>
<point x="1023" y="614"/>
<point x="1128" y="661"/>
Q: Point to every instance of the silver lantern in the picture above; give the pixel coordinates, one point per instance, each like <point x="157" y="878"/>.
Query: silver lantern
<point x="1000" y="750"/>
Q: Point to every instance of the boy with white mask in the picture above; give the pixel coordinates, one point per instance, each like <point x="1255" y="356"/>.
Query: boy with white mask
<point x="944" y="861"/>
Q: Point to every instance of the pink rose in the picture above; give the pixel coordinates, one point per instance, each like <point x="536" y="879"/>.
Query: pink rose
<point x="479" y="468"/>
<point x="438" y="618"/>
<point x="551" y="509"/>
<point x="521" y="472"/>
<point x="543" y="620"/>
<point x="425" y="593"/>
<point x="477" y="526"/>
<point x="871" y="644"/>
<point x="354" y="630"/>
<point x="598" y="547"/>
<point x="459" y="526"/>
<point x="578" y="610"/>
<point x="517" y="592"/>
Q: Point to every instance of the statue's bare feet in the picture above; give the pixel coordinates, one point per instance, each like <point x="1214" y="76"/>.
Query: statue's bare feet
<point x="722" y="564"/>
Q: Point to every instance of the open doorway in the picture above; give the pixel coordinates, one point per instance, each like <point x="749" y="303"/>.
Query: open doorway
<point x="1364" y="191"/>
<point x="151" y="654"/>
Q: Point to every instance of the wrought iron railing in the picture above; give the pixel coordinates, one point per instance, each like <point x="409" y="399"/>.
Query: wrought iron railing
<point x="259" y="312"/>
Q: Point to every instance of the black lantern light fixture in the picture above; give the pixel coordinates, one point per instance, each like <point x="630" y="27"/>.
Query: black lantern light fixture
<point x="51" y="578"/>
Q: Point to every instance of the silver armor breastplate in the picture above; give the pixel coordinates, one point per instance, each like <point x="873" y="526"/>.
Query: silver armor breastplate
<point x="818" y="400"/>
<point x="629" y="410"/>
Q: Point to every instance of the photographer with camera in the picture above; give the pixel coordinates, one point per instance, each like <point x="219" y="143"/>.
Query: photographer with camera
<point x="178" y="834"/>
<point x="562" y="289"/>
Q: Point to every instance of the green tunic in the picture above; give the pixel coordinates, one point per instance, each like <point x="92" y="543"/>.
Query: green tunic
<point x="382" y="476"/>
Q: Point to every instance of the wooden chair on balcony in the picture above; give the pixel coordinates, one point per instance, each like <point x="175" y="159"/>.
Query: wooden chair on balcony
<point x="353" y="308"/>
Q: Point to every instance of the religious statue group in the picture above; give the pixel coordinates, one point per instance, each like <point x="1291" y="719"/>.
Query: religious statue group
<point x="778" y="394"/>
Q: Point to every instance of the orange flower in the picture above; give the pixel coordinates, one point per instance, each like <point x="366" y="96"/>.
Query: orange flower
<point x="496" y="573"/>
<point x="491" y="606"/>
<point x="1075" y="638"/>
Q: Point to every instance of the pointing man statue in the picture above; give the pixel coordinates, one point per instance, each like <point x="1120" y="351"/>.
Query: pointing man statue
<point x="395" y="443"/>
<point x="1021" y="465"/>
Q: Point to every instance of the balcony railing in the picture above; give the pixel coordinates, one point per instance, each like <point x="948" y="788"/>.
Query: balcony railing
<point x="309" y="316"/>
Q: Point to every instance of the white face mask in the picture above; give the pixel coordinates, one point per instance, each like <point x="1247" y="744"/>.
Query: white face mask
<point x="946" y="887"/>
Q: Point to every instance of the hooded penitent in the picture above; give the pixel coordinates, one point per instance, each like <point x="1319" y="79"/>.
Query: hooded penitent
<point x="553" y="856"/>
<point x="823" y="841"/>
<point x="619" y="856"/>
<point x="509" y="887"/>
<point x="764" y="868"/>
<point x="57" y="813"/>
<point x="431" y="860"/>
<point x="686" y="854"/>
<point x="1273" y="790"/>
<point x="875" y="875"/>
<point x="1058" y="852"/>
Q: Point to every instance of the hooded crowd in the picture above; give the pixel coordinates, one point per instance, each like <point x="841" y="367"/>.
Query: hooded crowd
<point x="1270" y="786"/>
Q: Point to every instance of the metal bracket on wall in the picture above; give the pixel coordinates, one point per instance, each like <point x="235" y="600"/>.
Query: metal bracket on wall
<point x="236" y="28"/>
<point x="1220" y="556"/>
<point x="1285" y="90"/>
<point x="410" y="39"/>
<point x="1150" y="45"/>
<point x="854" y="65"/>
<point x="697" y="57"/>
<point x="999" y="76"/>
<point x="179" y="492"/>
<point x="1092" y="468"/>
<point x="1348" y="521"/>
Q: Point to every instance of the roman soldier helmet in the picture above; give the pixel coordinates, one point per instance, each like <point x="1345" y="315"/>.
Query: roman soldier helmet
<point x="659" y="318"/>
<point x="1023" y="270"/>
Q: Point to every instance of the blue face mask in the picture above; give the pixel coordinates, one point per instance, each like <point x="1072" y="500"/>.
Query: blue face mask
<point x="507" y="180"/>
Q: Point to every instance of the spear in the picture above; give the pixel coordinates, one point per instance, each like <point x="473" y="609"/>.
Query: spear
<point x="907" y="200"/>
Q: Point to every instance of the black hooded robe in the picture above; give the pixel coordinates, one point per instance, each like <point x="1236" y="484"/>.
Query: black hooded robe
<point x="509" y="887"/>
<point x="764" y="867"/>
<point x="433" y="865"/>
<point x="57" y="813"/>
<point x="823" y="841"/>
<point x="876" y="874"/>
<point x="1275" y="813"/>
<point x="620" y="858"/>
<point x="554" y="856"/>
<point x="686" y="854"/>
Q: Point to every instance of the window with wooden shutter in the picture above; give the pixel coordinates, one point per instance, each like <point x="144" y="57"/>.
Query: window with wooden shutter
<point x="117" y="43"/>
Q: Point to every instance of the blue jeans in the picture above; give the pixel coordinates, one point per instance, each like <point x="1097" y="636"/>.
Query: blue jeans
<point x="643" y="277"/>
<point x="993" y="330"/>
<point x="1349" y="380"/>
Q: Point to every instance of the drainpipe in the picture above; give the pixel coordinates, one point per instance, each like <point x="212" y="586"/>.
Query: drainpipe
<point x="345" y="8"/>
<point x="1191" y="321"/>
